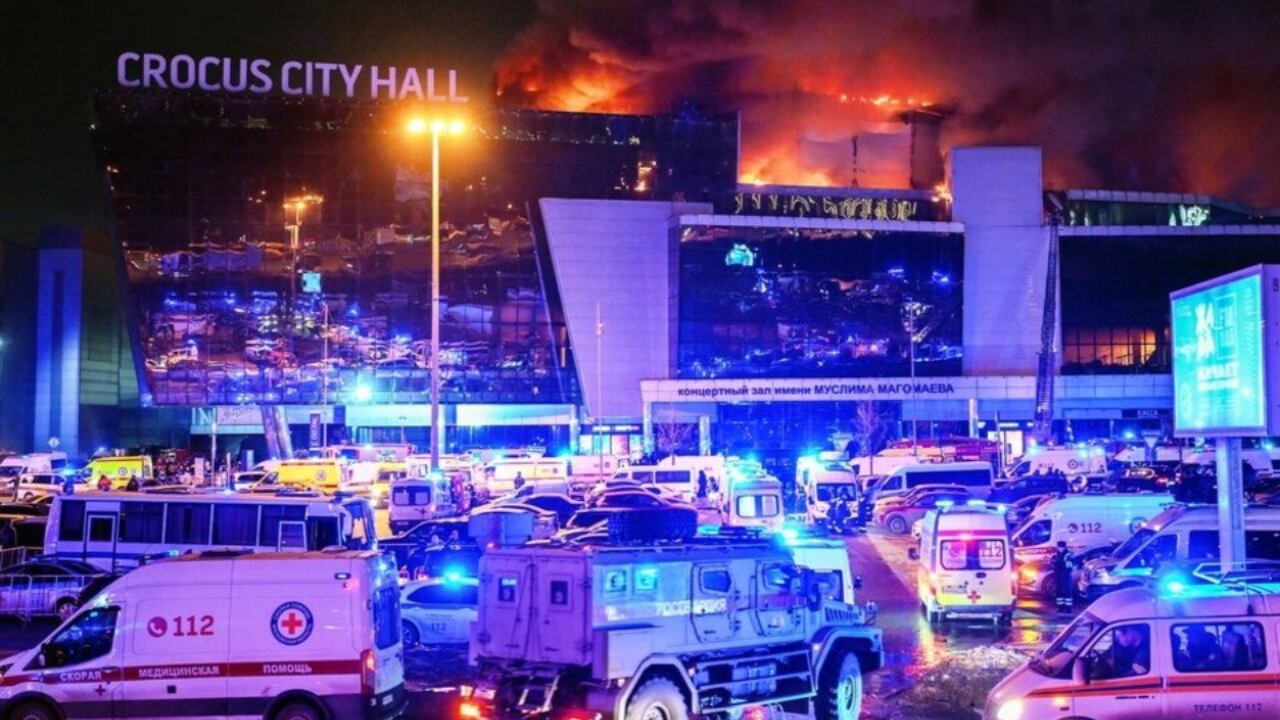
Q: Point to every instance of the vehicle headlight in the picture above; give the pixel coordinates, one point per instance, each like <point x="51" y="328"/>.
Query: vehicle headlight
<point x="1010" y="710"/>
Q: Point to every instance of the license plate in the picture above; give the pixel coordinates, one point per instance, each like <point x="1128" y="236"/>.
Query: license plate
<point x="486" y="693"/>
<point x="386" y="699"/>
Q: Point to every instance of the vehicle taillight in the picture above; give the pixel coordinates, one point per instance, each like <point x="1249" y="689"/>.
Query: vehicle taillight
<point x="468" y="710"/>
<point x="368" y="672"/>
<point x="933" y="583"/>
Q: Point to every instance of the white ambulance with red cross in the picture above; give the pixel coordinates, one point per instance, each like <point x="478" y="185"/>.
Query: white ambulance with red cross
<point x="282" y="636"/>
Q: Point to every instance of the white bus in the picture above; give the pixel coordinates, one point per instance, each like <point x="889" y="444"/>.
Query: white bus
<point x="118" y="530"/>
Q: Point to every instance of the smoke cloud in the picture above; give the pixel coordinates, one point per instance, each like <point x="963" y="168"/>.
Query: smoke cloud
<point x="1173" y="96"/>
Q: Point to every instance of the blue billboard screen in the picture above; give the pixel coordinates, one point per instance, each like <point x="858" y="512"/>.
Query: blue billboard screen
<point x="1219" y="364"/>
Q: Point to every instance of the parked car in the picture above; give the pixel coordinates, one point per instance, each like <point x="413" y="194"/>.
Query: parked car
<point x="44" y="586"/>
<point x="438" y="611"/>
<point x="562" y="505"/>
<point x="1028" y="485"/>
<point x="898" y="518"/>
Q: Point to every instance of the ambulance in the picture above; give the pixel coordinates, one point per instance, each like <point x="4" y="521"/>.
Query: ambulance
<point x="120" y="469"/>
<point x="966" y="564"/>
<point x="416" y="500"/>
<point x="282" y="636"/>
<point x="321" y="475"/>
<point x="1084" y="523"/>
<point x="1194" y="651"/>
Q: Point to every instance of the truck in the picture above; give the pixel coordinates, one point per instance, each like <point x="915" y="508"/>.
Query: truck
<point x="622" y="626"/>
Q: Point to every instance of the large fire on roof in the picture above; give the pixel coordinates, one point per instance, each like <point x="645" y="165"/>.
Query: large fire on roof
<point x="1137" y="95"/>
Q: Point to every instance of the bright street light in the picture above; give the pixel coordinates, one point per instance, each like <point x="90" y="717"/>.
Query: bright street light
<point x="438" y="127"/>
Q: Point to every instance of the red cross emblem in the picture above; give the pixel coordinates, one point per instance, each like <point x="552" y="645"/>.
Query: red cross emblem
<point x="973" y="596"/>
<point x="292" y="623"/>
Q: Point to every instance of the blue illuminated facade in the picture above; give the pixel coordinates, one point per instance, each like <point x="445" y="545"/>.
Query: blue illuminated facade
<point x="800" y="302"/>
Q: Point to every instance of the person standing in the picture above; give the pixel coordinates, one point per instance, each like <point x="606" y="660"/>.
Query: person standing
<point x="1064" y="594"/>
<point x="104" y="482"/>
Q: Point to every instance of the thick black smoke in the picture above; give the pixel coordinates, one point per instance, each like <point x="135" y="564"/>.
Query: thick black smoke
<point x="1178" y="96"/>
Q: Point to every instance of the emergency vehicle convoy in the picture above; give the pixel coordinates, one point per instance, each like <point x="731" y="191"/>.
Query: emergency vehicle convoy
<point x="281" y="636"/>
<point x="1199" y="651"/>
<point x="630" y="628"/>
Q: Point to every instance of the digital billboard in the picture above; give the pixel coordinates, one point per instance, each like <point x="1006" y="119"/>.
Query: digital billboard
<point x="1220" y="357"/>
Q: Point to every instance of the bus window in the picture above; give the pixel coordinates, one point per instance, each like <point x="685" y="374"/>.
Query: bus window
<point x="71" y="520"/>
<point x="187" y="524"/>
<point x="141" y="522"/>
<point x="274" y="517"/>
<point x="235" y="524"/>
<point x="323" y="532"/>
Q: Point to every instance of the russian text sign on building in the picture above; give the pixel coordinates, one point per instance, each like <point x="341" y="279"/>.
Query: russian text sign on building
<point x="1225" y="339"/>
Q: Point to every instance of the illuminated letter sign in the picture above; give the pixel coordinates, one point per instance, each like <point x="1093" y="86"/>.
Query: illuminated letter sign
<point x="304" y="79"/>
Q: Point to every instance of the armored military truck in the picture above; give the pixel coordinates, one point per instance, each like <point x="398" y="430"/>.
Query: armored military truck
<point x="602" y="628"/>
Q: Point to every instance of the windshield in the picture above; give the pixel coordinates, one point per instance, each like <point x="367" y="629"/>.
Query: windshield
<point x="10" y="470"/>
<point x="1135" y="541"/>
<point x="826" y="491"/>
<point x="1053" y="661"/>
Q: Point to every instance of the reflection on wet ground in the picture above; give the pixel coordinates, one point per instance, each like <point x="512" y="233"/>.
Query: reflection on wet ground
<point x="939" y="671"/>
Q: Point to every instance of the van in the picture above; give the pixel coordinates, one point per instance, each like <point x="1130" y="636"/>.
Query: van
<point x="321" y="475"/>
<point x="975" y="475"/>
<point x="756" y="502"/>
<point x="678" y="473"/>
<point x="15" y="465"/>
<point x="549" y="473"/>
<point x="1199" y="651"/>
<point x="1070" y="461"/>
<point x="820" y="492"/>
<point x="280" y="636"/>
<point x="1255" y="459"/>
<point x="415" y="500"/>
<point x="825" y="466"/>
<point x="120" y="469"/>
<point x="965" y="564"/>
<point x="1083" y="522"/>
<point x="1182" y="534"/>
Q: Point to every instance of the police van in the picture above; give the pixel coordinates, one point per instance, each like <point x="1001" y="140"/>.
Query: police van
<point x="1199" y="651"/>
<point x="1083" y="522"/>
<point x="965" y="564"/>
<point x="296" y="636"/>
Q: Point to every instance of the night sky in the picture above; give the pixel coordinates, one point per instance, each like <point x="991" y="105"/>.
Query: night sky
<point x="57" y="53"/>
<point x="1137" y="95"/>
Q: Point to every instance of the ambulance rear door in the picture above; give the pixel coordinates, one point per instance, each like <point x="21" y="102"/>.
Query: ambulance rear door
<point x="178" y="647"/>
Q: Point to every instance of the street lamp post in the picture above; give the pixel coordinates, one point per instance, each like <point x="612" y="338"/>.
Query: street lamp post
<point x="298" y="205"/>
<point x="418" y="126"/>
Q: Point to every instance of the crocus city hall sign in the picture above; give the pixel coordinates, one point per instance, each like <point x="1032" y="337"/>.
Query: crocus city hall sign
<point x="294" y="77"/>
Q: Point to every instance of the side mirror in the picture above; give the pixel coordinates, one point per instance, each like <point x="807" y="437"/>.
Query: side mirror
<point x="913" y="554"/>
<point x="857" y="582"/>
<point x="1080" y="672"/>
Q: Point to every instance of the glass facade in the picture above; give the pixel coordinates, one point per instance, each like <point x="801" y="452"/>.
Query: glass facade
<point x="228" y="306"/>
<point x="787" y="302"/>
<point x="1115" y="294"/>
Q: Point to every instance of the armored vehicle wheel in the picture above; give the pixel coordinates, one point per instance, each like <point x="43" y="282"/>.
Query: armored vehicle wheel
<point x="645" y="525"/>
<point x="840" y="689"/>
<point x="657" y="699"/>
